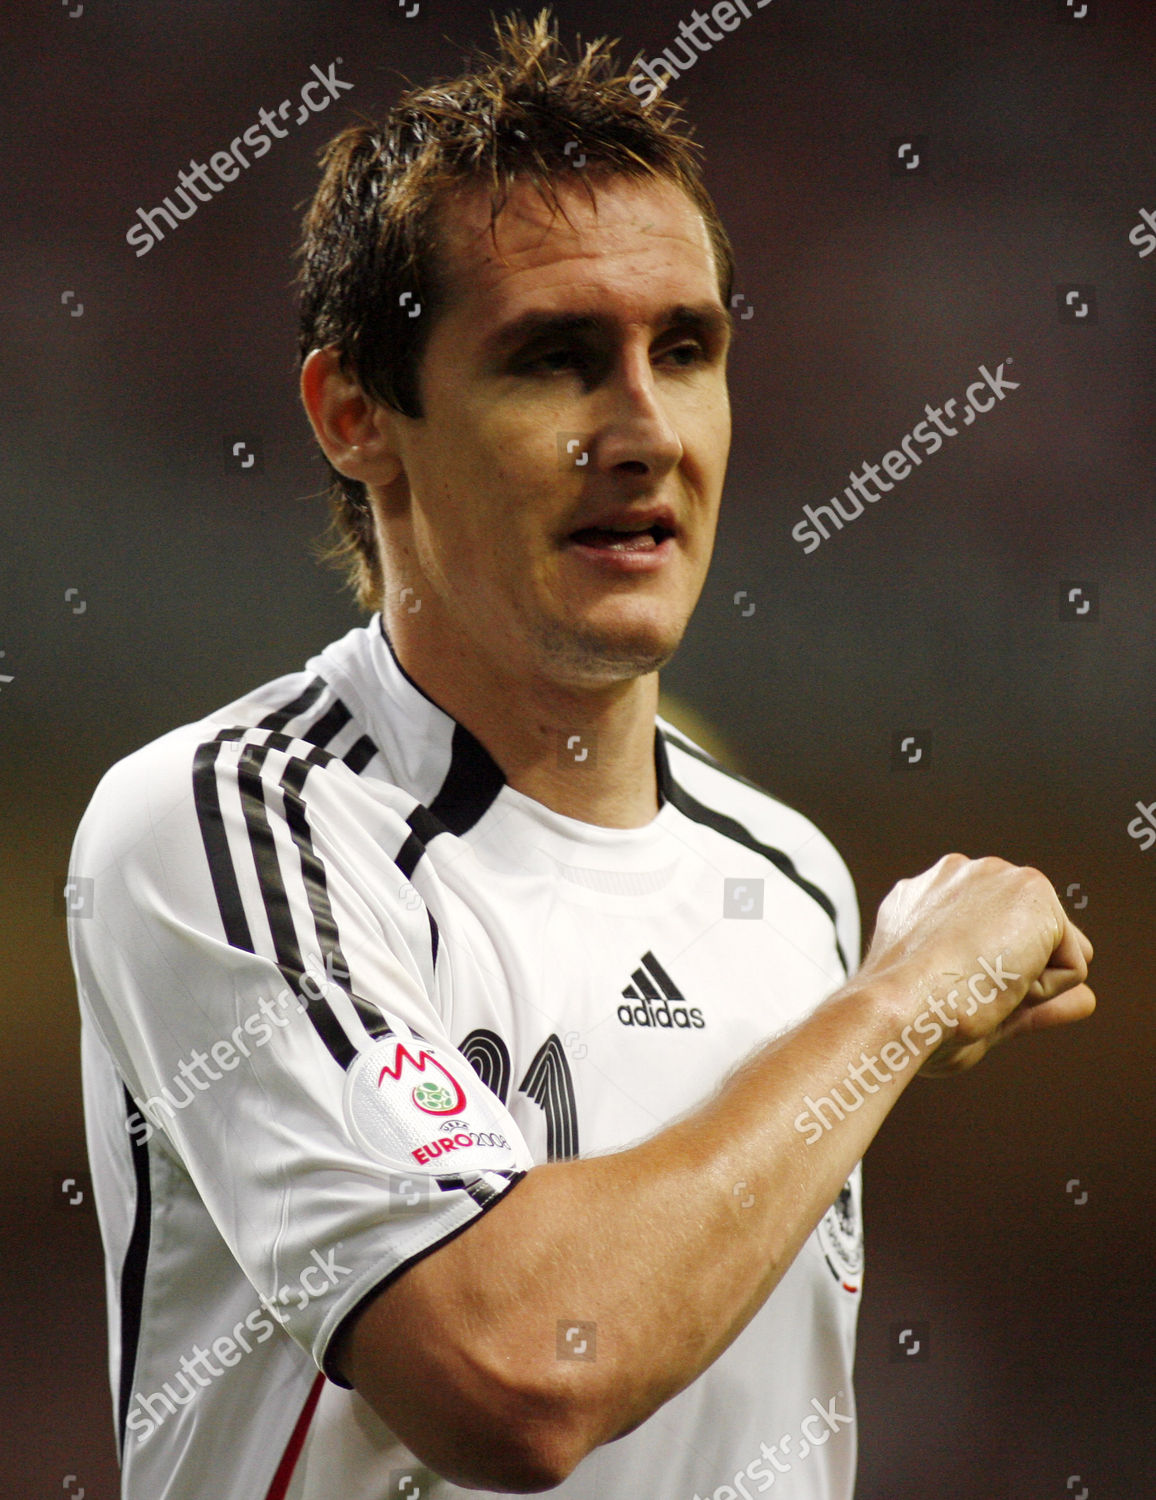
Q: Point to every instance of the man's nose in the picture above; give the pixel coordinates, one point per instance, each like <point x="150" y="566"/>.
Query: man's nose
<point x="636" y="430"/>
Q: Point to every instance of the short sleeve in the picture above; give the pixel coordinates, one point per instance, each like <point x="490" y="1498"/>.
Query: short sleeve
<point x="273" y="989"/>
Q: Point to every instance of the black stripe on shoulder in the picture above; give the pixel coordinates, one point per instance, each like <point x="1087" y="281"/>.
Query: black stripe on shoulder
<point x="700" y="754"/>
<point x="423" y="827"/>
<point x="331" y="723"/>
<point x="731" y="828"/>
<point x="276" y="898"/>
<point x="305" y="700"/>
<point x="434" y="939"/>
<point x="359" y="754"/>
<point x="472" y="782"/>
<point x="207" y="800"/>
<point x="326" y="727"/>
<point x="408" y="855"/>
<point x="223" y="874"/>
<point x="317" y="890"/>
<point x="424" y="824"/>
<point x="250" y="767"/>
<point x="132" y="1272"/>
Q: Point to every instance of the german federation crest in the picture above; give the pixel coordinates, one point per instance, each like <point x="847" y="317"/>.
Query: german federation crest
<point x="840" y="1234"/>
<point x="419" y="1107"/>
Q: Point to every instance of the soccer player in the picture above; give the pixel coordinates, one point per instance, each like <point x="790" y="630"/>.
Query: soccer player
<point x="476" y="1073"/>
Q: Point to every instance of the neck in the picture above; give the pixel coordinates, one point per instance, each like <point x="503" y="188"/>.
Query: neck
<point x="585" y="752"/>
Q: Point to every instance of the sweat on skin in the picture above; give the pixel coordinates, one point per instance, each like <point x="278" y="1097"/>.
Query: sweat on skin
<point x="895" y="1054"/>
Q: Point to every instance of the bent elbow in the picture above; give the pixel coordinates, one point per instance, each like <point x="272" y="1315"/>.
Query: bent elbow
<point x="531" y="1466"/>
<point x="550" y="1425"/>
<point x="508" y="1462"/>
<point x="522" y="1441"/>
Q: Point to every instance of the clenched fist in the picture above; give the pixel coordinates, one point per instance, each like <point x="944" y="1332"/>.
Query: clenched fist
<point x="985" y="951"/>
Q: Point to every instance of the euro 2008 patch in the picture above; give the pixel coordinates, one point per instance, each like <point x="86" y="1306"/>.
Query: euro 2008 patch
<point x="418" y="1107"/>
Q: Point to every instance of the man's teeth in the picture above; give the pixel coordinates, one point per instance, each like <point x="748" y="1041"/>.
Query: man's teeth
<point x="629" y="538"/>
<point x="622" y="537"/>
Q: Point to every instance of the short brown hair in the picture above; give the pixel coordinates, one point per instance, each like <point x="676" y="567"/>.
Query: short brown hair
<point x="369" y="237"/>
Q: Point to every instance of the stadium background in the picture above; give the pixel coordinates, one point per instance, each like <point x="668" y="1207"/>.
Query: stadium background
<point x="144" y="584"/>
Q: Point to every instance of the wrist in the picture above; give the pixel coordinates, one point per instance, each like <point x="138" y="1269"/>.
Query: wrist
<point x="905" y="1024"/>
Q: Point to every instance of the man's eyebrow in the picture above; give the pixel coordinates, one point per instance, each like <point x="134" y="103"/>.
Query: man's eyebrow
<point x="709" y="319"/>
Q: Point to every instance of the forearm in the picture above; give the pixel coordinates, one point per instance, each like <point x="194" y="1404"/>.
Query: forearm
<point x="668" y="1248"/>
<point x="676" y="1243"/>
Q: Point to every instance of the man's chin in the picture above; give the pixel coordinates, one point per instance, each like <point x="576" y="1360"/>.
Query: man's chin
<point x="586" y="653"/>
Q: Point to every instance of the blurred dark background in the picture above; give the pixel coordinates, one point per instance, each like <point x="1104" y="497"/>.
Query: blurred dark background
<point x="144" y="583"/>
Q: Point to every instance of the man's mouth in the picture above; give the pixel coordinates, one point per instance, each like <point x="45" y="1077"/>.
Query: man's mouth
<point x="623" y="539"/>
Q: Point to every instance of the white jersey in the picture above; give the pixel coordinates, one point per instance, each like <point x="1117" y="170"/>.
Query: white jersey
<point x="341" y="987"/>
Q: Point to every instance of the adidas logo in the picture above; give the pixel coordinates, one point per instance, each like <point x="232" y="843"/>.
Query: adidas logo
<point x="653" y="999"/>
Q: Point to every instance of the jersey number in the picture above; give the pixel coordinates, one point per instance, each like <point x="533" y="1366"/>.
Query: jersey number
<point x="547" y="1082"/>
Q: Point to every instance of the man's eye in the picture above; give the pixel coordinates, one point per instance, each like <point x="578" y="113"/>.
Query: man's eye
<point x="554" y="359"/>
<point x="572" y="358"/>
<point x="689" y="353"/>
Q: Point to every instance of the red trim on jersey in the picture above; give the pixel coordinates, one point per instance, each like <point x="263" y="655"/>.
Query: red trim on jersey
<point x="280" y="1486"/>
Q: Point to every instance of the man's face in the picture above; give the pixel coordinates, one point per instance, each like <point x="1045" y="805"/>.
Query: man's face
<point x="610" y="338"/>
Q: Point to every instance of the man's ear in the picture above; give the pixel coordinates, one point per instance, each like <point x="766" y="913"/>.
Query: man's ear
<point x="356" y="434"/>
